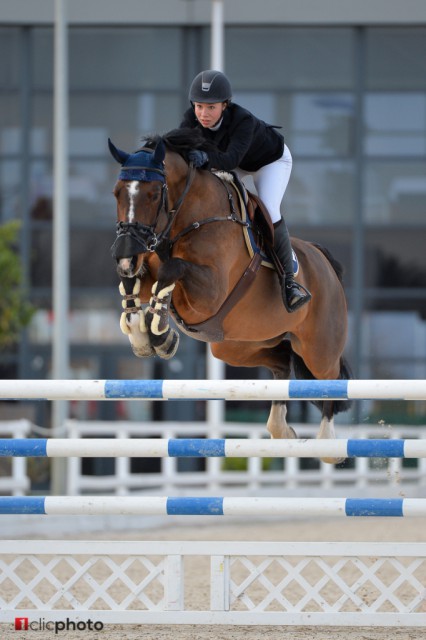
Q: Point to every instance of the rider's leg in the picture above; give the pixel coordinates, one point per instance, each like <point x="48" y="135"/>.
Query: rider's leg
<point x="293" y="294"/>
<point x="271" y="182"/>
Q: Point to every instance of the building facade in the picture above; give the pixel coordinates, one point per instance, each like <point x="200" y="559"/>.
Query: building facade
<point x="346" y="81"/>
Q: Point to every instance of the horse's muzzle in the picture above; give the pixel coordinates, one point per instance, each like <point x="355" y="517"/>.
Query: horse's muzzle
<point x="126" y="246"/>
<point x="132" y="239"/>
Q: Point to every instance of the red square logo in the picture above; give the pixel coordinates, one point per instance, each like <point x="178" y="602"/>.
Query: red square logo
<point x="21" y="624"/>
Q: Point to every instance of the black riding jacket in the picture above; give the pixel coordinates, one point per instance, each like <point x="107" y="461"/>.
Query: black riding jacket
<point x="242" y="140"/>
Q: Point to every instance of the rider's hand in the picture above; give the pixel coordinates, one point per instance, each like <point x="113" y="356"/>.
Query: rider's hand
<point x="198" y="158"/>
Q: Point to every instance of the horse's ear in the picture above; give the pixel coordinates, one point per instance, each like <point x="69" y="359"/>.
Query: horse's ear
<point x="160" y="152"/>
<point x="117" y="154"/>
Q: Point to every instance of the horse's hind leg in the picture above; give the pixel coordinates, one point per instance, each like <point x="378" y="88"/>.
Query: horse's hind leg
<point x="326" y="430"/>
<point x="277" y="423"/>
<point x="275" y="356"/>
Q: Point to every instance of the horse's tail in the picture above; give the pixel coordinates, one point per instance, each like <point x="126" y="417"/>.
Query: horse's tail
<point x="302" y="372"/>
<point x="337" y="266"/>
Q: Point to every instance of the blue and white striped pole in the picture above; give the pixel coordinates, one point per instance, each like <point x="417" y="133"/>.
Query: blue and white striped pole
<point x="214" y="506"/>
<point x="210" y="448"/>
<point x="213" y="389"/>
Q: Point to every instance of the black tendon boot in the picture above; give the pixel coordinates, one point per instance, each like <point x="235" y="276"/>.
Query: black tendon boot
<point x="294" y="295"/>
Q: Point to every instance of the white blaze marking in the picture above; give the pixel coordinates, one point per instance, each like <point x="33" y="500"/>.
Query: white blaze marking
<point x="132" y="189"/>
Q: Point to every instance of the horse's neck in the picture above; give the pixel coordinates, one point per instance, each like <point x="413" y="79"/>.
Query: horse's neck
<point x="177" y="174"/>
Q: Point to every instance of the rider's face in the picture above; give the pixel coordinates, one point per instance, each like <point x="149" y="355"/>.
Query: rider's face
<point x="209" y="114"/>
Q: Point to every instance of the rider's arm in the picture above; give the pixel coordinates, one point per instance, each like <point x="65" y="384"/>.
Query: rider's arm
<point x="240" y="138"/>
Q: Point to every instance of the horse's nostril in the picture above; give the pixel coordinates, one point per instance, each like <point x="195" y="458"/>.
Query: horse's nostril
<point x="127" y="264"/>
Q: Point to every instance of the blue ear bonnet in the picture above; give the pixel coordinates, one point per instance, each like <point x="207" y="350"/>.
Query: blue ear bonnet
<point x="138" y="165"/>
<point x="143" y="166"/>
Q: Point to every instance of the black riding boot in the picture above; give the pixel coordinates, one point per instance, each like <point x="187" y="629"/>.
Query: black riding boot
<point x="294" y="295"/>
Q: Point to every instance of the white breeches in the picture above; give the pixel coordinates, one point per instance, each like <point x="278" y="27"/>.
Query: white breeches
<point x="271" y="182"/>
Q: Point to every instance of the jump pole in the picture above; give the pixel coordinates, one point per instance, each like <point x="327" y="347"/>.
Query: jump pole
<point x="213" y="390"/>
<point x="210" y="448"/>
<point x="212" y="506"/>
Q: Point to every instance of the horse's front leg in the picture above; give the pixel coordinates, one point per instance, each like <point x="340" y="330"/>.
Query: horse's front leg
<point x="164" y="339"/>
<point x="132" y="320"/>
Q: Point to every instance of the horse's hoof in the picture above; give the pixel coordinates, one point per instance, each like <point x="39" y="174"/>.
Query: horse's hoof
<point x="143" y="352"/>
<point x="289" y="434"/>
<point x="169" y="347"/>
<point x="333" y="460"/>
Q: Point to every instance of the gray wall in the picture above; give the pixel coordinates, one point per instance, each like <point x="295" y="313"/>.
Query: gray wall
<point x="196" y="12"/>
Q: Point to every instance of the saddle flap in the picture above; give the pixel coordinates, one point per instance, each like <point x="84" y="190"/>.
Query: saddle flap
<point x="260" y="218"/>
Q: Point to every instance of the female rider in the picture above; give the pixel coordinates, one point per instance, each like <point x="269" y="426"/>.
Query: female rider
<point x="250" y="147"/>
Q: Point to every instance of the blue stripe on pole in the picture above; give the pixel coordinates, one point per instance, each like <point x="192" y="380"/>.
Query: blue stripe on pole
<point x="318" y="389"/>
<point x="134" y="389"/>
<point x="18" y="447"/>
<point x="194" y="507"/>
<point x="374" y="507"/>
<point x="22" y="505"/>
<point x="376" y="448"/>
<point x="196" y="448"/>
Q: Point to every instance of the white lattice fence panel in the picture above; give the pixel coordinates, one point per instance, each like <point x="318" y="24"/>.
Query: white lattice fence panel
<point x="249" y="583"/>
<point x="314" y="584"/>
<point x="324" y="583"/>
<point x="76" y="577"/>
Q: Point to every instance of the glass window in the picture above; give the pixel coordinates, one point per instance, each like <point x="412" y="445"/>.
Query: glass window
<point x="313" y="124"/>
<point x="125" y="117"/>
<point x="10" y="190"/>
<point x="90" y="186"/>
<point x="10" y="58"/>
<point x="320" y="193"/>
<point x="42" y="58"/>
<point x="321" y="124"/>
<point x="42" y="124"/>
<point x="297" y="58"/>
<point x="395" y="258"/>
<point x="396" y="58"/>
<point x="90" y="192"/>
<point x="112" y="59"/>
<point x="10" y="133"/>
<point x="395" y="124"/>
<point x="394" y="358"/>
<point x="395" y="192"/>
<point x="91" y="264"/>
<point x="138" y="58"/>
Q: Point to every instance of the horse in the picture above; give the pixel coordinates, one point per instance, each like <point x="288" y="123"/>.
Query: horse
<point x="180" y="247"/>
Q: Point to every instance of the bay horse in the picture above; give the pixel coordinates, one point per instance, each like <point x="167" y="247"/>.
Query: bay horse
<point x="180" y="247"/>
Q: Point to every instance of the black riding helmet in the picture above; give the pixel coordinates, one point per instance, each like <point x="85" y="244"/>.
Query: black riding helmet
<point x="210" y="86"/>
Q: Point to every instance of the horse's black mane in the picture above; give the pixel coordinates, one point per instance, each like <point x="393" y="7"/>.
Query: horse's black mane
<point x="180" y="141"/>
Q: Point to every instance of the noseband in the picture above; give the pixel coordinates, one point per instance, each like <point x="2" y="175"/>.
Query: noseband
<point x="136" y="237"/>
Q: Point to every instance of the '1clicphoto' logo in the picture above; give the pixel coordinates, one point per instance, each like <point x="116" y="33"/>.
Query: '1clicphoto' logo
<point x="23" y="624"/>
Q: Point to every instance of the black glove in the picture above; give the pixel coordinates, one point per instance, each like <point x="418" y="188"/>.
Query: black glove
<point x="198" y="158"/>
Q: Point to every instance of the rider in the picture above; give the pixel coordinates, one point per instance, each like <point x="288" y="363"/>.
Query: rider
<point x="251" y="147"/>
